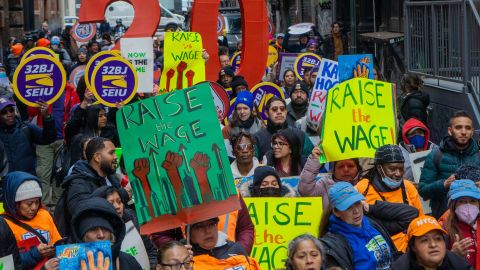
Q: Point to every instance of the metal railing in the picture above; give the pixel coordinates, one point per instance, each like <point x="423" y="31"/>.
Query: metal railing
<point x="442" y="41"/>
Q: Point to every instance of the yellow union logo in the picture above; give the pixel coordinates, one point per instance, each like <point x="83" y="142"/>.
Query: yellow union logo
<point x="38" y="80"/>
<point x="114" y="81"/>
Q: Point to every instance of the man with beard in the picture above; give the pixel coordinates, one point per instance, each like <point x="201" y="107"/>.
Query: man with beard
<point x="277" y="120"/>
<point x="86" y="176"/>
<point x="299" y="103"/>
<point x="455" y="150"/>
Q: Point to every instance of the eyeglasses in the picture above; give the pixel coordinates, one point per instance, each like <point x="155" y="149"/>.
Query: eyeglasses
<point x="178" y="266"/>
<point x="278" y="144"/>
<point x="205" y="226"/>
<point x="244" y="146"/>
<point x="275" y="109"/>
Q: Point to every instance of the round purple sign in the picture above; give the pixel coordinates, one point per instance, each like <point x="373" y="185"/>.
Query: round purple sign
<point x="93" y="62"/>
<point x="262" y="92"/>
<point x="114" y="81"/>
<point x="303" y="61"/>
<point x="39" y="78"/>
<point x="39" y="51"/>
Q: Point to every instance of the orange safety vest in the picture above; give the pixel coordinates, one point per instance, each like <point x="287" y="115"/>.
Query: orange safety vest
<point x="228" y="224"/>
<point x="237" y="262"/>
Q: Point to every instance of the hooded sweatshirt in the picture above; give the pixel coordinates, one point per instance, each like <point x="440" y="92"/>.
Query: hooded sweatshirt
<point x="370" y="249"/>
<point x="407" y="148"/>
<point x="99" y="207"/>
<point x="42" y="222"/>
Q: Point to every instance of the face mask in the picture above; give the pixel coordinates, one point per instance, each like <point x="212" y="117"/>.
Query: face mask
<point x="417" y="140"/>
<point x="269" y="192"/>
<point x="3" y="74"/>
<point x="389" y="182"/>
<point x="467" y="213"/>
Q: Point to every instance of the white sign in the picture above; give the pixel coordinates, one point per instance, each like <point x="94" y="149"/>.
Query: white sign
<point x="139" y="51"/>
<point x="6" y="263"/>
<point x="327" y="78"/>
<point x="416" y="163"/>
<point x="133" y="245"/>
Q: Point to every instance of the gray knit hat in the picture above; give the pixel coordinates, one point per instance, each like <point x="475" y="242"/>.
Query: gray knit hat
<point x="28" y="190"/>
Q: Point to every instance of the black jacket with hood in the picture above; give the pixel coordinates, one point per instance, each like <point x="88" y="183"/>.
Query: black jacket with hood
<point x="130" y="216"/>
<point x="99" y="207"/>
<point x="78" y="186"/>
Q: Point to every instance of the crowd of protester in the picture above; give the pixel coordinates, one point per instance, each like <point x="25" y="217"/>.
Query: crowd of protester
<point x="63" y="183"/>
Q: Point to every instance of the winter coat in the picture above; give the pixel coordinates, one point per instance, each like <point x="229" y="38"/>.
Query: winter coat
<point x="236" y="173"/>
<point x="350" y="247"/>
<point x="100" y="207"/>
<point x="407" y="148"/>
<point x="414" y="104"/>
<point x="263" y="140"/>
<point x="42" y="222"/>
<point x="308" y="186"/>
<point x="78" y="186"/>
<point x="387" y="218"/>
<point x="451" y="261"/>
<point x="19" y="141"/>
<point x="329" y="46"/>
<point x="82" y="122"/>
<point x="11" y="65"/>
<point x="8" y="245"/>
<point x="438" y="167"/>
<point x="57" y="109"/>
<point x="129" y="215"/>
<point x="375" y="190"/>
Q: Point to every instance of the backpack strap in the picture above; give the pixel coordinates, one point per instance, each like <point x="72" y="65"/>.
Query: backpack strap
<point x="437" y="158"/>
<point x="26" y="227"/>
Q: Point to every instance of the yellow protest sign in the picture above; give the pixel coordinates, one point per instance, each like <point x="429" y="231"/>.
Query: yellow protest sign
<point x="359" y="118"/>
<point x="279" y="220"/>
<point x="272" y="56"/>
<point x="183" y="65"/>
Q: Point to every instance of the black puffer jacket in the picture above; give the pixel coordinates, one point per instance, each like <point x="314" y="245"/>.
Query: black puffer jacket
<point x="451" y="261"/>
<point x="415" y="104"/>
<point x="78" y="186"/>
<point x="99" y="207"/>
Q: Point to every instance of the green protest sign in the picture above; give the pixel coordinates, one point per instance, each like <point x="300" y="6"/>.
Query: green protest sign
<point x="176" y="159"/>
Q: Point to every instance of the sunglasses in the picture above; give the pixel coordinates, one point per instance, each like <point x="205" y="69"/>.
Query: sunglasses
<point x="244" y="146"/>
<point x="278" y="144"/>
<point x="281" y="108"/>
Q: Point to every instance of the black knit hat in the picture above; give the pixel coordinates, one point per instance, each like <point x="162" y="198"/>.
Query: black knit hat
<point x="263" y="171"/>
<point x="388" y="154"/>
<point x="237" y="81"/>
<point x="93" y="222"/>
<point x="226" y="71"/>
<point x="300" y="86"/>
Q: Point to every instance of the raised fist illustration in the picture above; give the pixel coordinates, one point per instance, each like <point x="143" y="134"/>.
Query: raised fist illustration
<point x="141" y="168"/>
<point x="172" y="161"/>
<point x="200" y="162"/>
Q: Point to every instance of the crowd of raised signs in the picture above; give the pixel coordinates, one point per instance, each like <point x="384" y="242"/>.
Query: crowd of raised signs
<point x="62" y="181"/>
